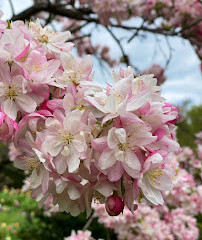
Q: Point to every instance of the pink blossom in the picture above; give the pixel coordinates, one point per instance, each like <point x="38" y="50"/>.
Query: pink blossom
<point x="49" y="39"/>
<point x="158" y="72"/>
<point x="81" y="235"/>
<point x="13" y="45"/>
<point x="75" y="70"/>
<point x="155" y="179"/>
<point x="65" y="141"/>
<point x="14" y="95"/>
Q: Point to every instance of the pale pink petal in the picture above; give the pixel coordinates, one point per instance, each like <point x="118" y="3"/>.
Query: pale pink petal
<point x="99" y="144"/>
<point x="144" y="109"/>
<point x="154" y="158"/>
<point x="132" y="160"/>
<point x="73" y="163"/>
<point x="26" y="103"/>
<point x="73" y="192"/>
<point x="78" y="143"/>
<point x="152" y="194"/>
<point x="130" y="171"/>
<point x="68" y="102"/>
<point x="107" y="159"/>
<point x="109" y="117"/>
<point x="121" y="135"/>
<point x="115" y="172"/>
<point x="112" y="139"/>
<point x="68" y="61"/>
<point x="138" y="101"/>
<point x="163" y="182"/>
<point x="60" y="164"/>
<point x="9" y="107"/>
<point x="105" y="188"/>
<point x="86" y="65"/>
<point x="21" y="163"/>
<point x="36" y="177"/>
<point x="111" y="104"/>
<point x="45" y="182"/>
<point x="23" y="53"/>
<point x="160" y="133"/>
<point x="52" y="146"/>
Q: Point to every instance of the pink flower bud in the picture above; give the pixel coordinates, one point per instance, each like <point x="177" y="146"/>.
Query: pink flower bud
<point x="114" y="205"/>
<point x="7" y="128"/>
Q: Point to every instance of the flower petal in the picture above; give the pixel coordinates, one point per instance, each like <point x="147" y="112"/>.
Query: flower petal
<point x="9" y="107"/>
<point x="73" y="192"/>
<point x="26" y="103"/>
<point x="132" y="160"/>
<point x="107" y="159"/>
<point x="151" y="193"/>
<point x="73" y="163"/>
<point x="115" y="172"/>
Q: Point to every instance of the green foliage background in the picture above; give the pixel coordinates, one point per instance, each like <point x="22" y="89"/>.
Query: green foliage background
<point x="191" y="125"/>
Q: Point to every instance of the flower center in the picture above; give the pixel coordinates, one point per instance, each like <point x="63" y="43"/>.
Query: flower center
<point x="125" y="146"/>
<point x="44" y="38"/>
<point x="117" y="96"/>
<point x="73" y="79"/>
<point x="40" y="67"/>
<point x="154" y="176"/>
<point x="11" y="92"/>
<point x="32" y="162"/>
<point x="80" y="107"/>
<point x="122" y="146"/>
<point x="65" y="137"/>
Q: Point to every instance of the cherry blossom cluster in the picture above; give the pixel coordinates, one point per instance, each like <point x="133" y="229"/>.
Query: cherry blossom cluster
<point x="148" y="223"/>
<point x="81" y="235"/>
<point x="187" y="193"/>
<point x="80" y="141"/>
<point x="183" y="10"/>
<point x="191" y="161"/>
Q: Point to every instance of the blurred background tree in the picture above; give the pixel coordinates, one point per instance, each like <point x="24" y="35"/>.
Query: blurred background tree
<point x="190" y="126"/>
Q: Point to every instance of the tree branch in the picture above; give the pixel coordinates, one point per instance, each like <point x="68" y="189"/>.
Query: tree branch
<point x="78" y="38"/>
<point x="152" y="30"/>
<point x="124" y="56"/>
<point x="78" y="28"/>
<point x="73" y="13"/>
<point x="136" y="33"/>
<point x="88" y="223"/>
<point x="191" y="25"/>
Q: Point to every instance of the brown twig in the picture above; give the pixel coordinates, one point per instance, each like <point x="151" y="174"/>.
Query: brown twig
<point x="88" y="223"/>
<point x="124" y="56"/>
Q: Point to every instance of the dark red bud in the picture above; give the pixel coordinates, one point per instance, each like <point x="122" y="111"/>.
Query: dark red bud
<point x="114" y="205"/>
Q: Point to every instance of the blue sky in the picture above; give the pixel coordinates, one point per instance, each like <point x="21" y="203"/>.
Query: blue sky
<point x="183" y="73"/>
<point x="184" y="79"/>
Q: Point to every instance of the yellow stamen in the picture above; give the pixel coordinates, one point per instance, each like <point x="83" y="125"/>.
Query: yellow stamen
<point x="65" y="137"/>
<point x="154" y="175"/>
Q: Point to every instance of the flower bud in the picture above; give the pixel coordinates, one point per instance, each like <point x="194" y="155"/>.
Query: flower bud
<point x="114" y="205"/>
<point x="7" y="127"/>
